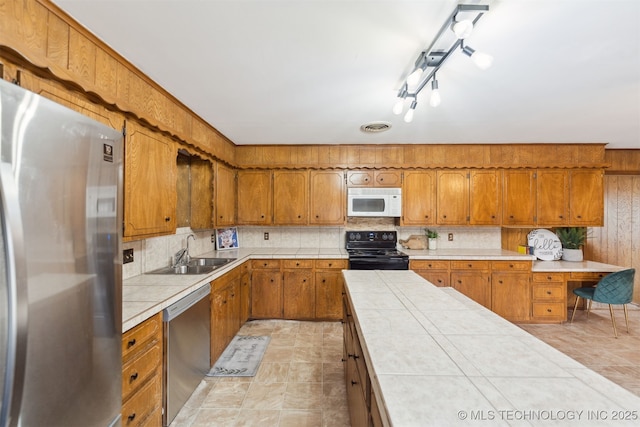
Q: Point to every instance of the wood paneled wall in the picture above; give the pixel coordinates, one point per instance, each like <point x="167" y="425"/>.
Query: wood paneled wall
<point x="618" y="242"/>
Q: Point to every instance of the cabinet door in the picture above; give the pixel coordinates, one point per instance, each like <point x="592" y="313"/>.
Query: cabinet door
<point x="225" y="200"/>
<point x="360" y="179"/>
<point x="475" y="285"/>
<point x="266" y="294"/>
<point x="328" y="295"/>
<point x="299" y="294"/>
<point x="553" y="197"/>
<point x="245" y="296"/>
<point x="254" y="197"/>
<point x="149" y="183"/>
<point x="519" y="198"/>
<point x="511" y="296"/>
<point x="387" y="178"/>
<point x="419" y="198"/>
<point x="586" y="197"/>
<point x="201" y="194"/>
<point x="327" y="198"/>
<point x="218" y="323"/>
<point x="290" y="197"/>
<point x="233" y="309"/>
<point x="485" y="201"/>
<point x="452" y="191"/>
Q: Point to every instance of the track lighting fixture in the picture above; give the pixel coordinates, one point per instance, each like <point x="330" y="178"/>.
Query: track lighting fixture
<point x="461" y="22"/>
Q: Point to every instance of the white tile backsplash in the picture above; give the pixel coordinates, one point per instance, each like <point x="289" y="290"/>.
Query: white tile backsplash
<point x="157" y="252"/>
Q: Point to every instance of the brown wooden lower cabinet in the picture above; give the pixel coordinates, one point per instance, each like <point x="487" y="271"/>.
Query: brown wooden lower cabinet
<point x="142" y="374"/>
<point x="266" y="289"/>
<point x="549" y="298"/>
<point x="435" y="271"/>
<point x="363" y="409"/>
<point x="299" y="294"/>
<point x="227" y="301"/>
<point x="473" y="279"/>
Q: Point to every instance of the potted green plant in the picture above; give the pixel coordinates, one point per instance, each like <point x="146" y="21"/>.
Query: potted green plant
<point x="432" y="236"/>
<point x="572" y="239"/>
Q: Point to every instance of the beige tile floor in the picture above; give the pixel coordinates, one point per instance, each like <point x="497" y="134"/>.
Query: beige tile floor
<point x="591" y="342"/>
<point x="300" y="382"/>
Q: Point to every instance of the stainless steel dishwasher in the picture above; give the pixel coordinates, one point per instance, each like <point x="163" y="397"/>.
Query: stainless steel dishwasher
<point x="187" y="326"/>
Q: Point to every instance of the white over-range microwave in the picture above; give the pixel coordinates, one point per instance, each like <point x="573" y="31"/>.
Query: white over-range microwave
<point x="374" y="202"/>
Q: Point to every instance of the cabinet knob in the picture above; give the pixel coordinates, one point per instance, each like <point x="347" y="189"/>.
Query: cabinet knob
<point x="429" y="265"/>
<point x="354" y="382"/>
<point x="548" y="277"/>
<point x="510" y="265"/>
<point x="133" y="377"/>
<point x="579" y="216"/>
<point x="330" y="264"/>
<point x="131" y="343"/>
<point x="167" y="218"/>
<point x="500" y="281"/>
<point x="444" y="216"/>
<point x="262" y="216"/>
<point x="548" y="292"/>
<point x="469" y="265"/>
<point x="548" y="310"/>
<point x="299" y="216"/>
<point x="511" y="216"/>
<point x="131" y="417"/>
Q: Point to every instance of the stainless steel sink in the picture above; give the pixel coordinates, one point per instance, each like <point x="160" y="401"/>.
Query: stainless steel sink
<point x="195" y="266"/>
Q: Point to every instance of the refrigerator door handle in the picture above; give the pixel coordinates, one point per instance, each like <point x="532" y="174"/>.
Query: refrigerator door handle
<point x="16" y="272"/>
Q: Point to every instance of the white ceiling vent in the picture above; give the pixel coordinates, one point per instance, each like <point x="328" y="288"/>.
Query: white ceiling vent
<point x="375" y="127"/>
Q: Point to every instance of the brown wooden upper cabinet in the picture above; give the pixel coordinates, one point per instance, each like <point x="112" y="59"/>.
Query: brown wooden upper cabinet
<point x="586" y="197"/>
<point x="201" y="194"/>
<point x="552" y="197"/>
<point x="419" y="198"/>
<point x="371" y="178"/>
<point x="327" y="198"/>
<point x="291" y="197"/>
<point x="149" y="183"/>
<point x="519" y="197"/>
<point x="225" y="195"/>
<point x="468" y="197"/>
<point x="254" y="197"/>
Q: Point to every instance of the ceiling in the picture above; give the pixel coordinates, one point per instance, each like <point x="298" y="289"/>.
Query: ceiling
<point x="314" y="71"/>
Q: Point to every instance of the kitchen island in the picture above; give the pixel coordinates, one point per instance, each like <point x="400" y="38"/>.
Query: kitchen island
<point x="435" y="357"/>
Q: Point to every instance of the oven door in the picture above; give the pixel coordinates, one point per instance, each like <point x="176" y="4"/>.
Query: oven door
<point x="379" y="263"/>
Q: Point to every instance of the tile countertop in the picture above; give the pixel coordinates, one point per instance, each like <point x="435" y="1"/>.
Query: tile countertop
<point x="438" y="358"/>
<point x="148" y="294"/>
<point x="467" y="254"/>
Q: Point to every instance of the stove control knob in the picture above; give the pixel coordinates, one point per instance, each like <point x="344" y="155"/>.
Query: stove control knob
<point x="384" y="236"/>
<point x="351" y="236"/>
<point x="358" y="236"/>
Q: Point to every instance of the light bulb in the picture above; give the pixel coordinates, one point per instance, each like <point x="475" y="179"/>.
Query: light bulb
<point x="398" y="106"/>
<point x="462" y="29"/>
<point x="408" y="118"/>
<point x="414" y="78"/>
<point x="435" y="99"/>
<point x="482" y="60"/>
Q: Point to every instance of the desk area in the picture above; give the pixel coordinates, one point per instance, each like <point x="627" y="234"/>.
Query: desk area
<point x="553" y="283"/>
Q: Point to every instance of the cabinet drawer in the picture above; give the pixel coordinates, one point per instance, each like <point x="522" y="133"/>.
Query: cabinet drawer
<point x="438" y="278"/>
<point x="542" y="292"/>
<point x="138" y="370"/>
<point x="265" y="263"/>
<point x="425" y="264"/>
<point x="142" y="403"/>
<point x="548" y="277"/>
<point x="297" y="263"/>
<point x="470" y="265"/>
<point x="511" y="265"/>
<point x="590" y="276"/>
<point x="339" y="264"/>
<point x="136" y="338"/>
<point x="550" y="309"/>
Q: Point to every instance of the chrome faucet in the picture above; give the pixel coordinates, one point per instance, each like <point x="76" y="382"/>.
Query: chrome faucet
<point x="182" y="257"/>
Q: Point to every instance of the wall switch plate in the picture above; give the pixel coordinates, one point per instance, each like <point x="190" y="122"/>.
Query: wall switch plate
<point x="266" y="236"/>
<point x="451" y="237"/>
<point x="127" y="256"/>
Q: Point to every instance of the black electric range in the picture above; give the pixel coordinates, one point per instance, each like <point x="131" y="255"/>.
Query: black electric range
<point x="375" y="250"/>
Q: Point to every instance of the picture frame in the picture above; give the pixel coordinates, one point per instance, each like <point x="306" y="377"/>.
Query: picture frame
<point x="227" y="238"/>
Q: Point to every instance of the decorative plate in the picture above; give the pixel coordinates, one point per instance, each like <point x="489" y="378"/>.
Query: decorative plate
<point x="546" y="245"/>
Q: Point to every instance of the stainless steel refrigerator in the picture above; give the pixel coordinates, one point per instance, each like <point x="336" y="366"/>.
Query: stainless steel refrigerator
<point x="60" y="265"/>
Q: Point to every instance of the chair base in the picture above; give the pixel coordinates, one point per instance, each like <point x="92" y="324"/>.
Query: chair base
<point x="613" y="319"/>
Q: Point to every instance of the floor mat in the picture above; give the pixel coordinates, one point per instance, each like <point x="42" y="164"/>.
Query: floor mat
<point x="241" y="358"/>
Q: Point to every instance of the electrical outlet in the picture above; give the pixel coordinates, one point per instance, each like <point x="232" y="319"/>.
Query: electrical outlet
<point x="127" y="256"/>
<point x="266" y="236"/>
<point x="451" y="237"/>
<point x="213" y="238"/>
